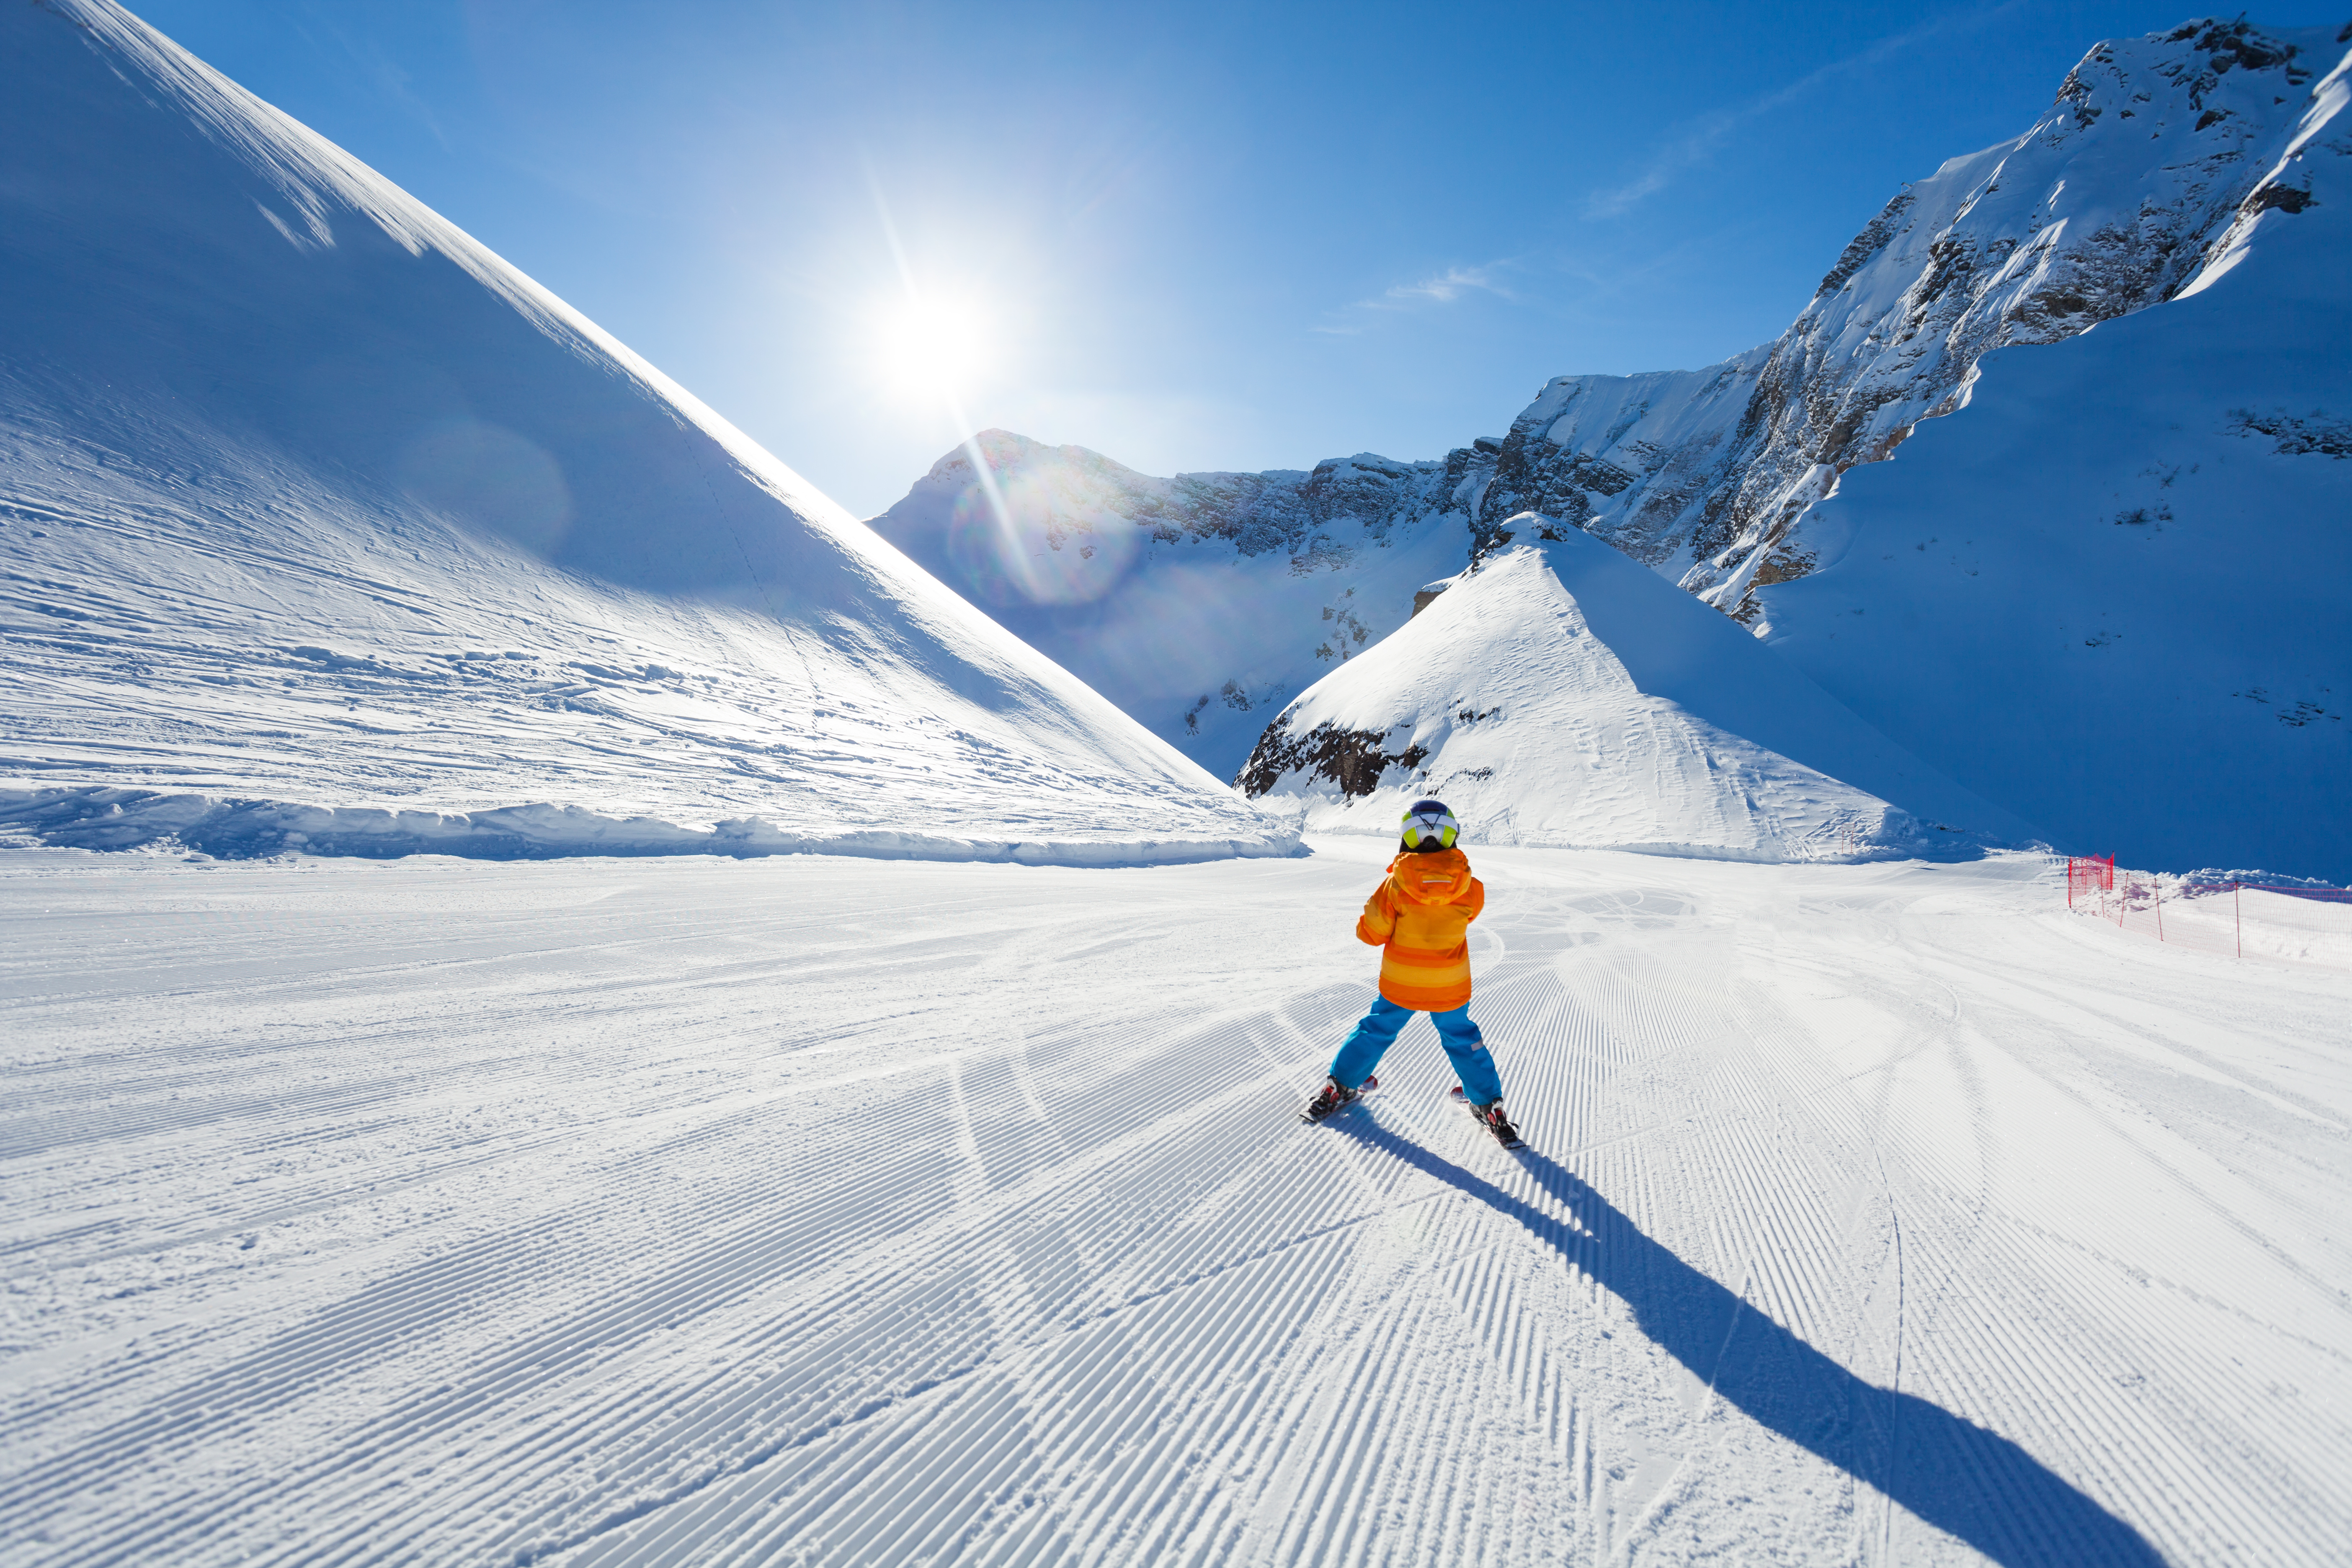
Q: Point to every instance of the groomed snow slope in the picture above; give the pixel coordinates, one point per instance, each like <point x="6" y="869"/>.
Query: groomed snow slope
<point x="2111" y="593"/>
<point x="1559" y="694"/>
<point x="593" y="1213"/>
<point x="319" y="520"/>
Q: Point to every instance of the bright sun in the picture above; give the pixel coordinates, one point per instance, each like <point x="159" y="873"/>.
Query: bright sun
<point x="932" y="346"/>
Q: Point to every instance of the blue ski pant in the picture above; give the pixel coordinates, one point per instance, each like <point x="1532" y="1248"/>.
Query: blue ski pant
<point x="1361" y="1051"/>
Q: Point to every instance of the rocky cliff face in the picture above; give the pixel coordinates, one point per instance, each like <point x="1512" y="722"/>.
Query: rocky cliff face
<point x="1068" y="494"/>
<point x="2108" y="596"/>
<point x="2111" y="203"/>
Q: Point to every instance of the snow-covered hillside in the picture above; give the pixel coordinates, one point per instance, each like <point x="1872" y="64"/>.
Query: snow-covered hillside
<point x="2111" y="594"/>
<point x="320" y="523"/>
<point x="1558" y="694"/>
<point x="593" y="1214"/>
<point x="1201" y="604"/>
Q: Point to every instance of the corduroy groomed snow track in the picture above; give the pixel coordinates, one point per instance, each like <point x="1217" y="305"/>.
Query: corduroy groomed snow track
<point x="816" y="1211"/>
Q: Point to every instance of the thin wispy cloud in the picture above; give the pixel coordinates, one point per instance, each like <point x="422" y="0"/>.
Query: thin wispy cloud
<point x="1442" y="289"/>
<point x="1698" y="138"/>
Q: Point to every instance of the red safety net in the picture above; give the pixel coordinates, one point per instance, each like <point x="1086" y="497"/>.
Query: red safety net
<point x="2297" y="923"/>
<point x="2087" y="874"/>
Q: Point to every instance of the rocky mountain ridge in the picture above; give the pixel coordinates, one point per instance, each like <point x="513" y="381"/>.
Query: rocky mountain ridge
<point x="1200" y="602"/>
<point x="1067" y="492"/>
<point x="1700" y="475"/>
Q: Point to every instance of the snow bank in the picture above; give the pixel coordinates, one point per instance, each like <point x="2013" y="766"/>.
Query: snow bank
<point x="1561" y="695"/>
<point x="308" y="499"/>
<point x="2228" y="915"/>
<point x="103" y="818"/>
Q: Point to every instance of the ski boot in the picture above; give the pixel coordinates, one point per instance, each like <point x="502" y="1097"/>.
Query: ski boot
<point x="1331" y="1098"/>
<point x="1490" y="1116"/>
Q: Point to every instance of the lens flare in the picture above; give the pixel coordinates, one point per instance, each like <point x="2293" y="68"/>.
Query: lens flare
<point x="1014" y="542"/>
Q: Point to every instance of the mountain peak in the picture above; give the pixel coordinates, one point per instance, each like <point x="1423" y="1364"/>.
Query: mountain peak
<point x="2111" y="202"/>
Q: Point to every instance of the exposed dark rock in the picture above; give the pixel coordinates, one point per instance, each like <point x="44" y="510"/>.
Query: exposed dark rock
<point x="1352" y="759"/>
<point x="2238" y="43"/>
<point x="1865" y="247"/>
<point x="2285" y="198"/>
<point x="1534" y="473"/>
<point x="2297" y="436"/>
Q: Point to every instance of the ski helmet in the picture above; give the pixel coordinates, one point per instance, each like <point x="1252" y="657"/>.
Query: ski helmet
<point x="1429" y="826"/>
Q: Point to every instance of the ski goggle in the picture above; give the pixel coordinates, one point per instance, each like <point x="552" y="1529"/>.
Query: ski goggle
<point x="1430" y="827"/>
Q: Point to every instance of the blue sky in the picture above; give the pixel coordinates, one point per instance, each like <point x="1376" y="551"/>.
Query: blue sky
<point x="1205" y="237"/>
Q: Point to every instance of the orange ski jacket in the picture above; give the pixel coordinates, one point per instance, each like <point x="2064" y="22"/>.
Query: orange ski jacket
<point x="1421" y="916"/>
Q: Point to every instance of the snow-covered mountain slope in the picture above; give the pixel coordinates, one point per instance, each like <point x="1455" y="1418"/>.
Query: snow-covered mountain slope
<point x="317" y="519"/>
<point x="612" y="1214"/>
<point x="1558" y="694"/>
<point x="2111" y="594"/>
<point x="1201" y="604"/>
<point x="2111" y="203"/>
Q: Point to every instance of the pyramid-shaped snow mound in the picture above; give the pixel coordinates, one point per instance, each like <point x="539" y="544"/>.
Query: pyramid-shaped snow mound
<point x="1561" y="694"/>
<point x="322" y="525"/>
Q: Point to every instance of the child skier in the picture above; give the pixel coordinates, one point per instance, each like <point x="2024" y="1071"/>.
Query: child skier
<point x="1420" y="917"/>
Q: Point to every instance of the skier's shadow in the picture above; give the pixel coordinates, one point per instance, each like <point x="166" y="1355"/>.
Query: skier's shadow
<point x="1956" y="1475"/>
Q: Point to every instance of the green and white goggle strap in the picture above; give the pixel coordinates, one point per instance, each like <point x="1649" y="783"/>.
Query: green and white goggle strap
<point x="1437" y="828"/>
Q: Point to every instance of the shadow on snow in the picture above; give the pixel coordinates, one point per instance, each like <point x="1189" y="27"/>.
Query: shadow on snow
<point x="1953" y="1474"/>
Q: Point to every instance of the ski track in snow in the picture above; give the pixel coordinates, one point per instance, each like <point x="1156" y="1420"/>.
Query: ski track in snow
<point x="683" y="1210"/>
